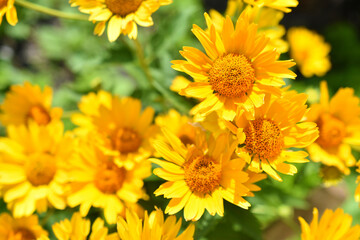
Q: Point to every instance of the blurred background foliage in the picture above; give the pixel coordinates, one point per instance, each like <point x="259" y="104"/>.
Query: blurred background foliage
<point x="67" y="56"/>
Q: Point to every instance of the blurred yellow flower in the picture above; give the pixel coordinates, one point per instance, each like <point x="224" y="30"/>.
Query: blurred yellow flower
<point x="24" y="228"/>
<point x="357" y="191"/>
<point x="152" y="227"/>
<point x="332" y="225"/>
<point x="179" y="83"/>
<point x="123" y="129"/>
<point x="339" y="125"/>
<point x="310" y="51"/>
<point x="266" y="138"/>
<point x="28" y="103"/>
<point x="7" y="7"/>
<point x="282" y="5"/>
<point x="122" y="16"/>
<point x="96" y="181"/>
<point x="32" y="174"/>
<point x="200" y="176"/>
<point x="234" y="73"/>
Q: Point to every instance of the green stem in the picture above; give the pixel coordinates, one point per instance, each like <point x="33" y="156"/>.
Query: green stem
<point x="50" y="11"/>
<point x="143" y="63"/>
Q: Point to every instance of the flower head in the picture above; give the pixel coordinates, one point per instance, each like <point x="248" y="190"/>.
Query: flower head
<point x="267" y="136"/>
<point x="310" y="51"/>
<point x="28" y="103"/>
<point x="332" y="225"/>
<point x="282" y="5"/>
<point x="235" y="72"/>
<point x="7" y="7"/>
<point x="152" y="227"/>
<point x="122" y="16"/>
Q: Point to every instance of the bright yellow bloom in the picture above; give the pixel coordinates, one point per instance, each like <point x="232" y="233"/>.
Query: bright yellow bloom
<point x="32" y="174"/>
<point x="267" y="136"/>
<point x="310" y="51"/>
<point x="152" y="227"/>
<point x="7" y="7"/>
<point x="122" y="15"/>
<point x="234" y="72"/>
<point x="339" y="125"/>
<point x="20" y="228"/>
<point x="97" y="181"/>
<point x="357" y="191"/>
<point x="79" y="229"/>
<point x="332" y="225"/>
<point x="200" y="176"/>
<point x="282" y="5"/>
<point x="28" y="103"/>
<point x="123" y="129"/>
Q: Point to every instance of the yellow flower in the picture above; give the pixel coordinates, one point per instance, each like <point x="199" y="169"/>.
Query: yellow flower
<point x="28" y="102"/>
<point x="282" y="5"/>
<point x="122" y="15"/>
<point x="234" y="72"/>
<point x="7" y="7"/>
<point x="32" y="174"/>
<point x="267" y="136"/>
<point x="123" y="129"/>
<point x="79" y="229"/>
<point x="24" y="228"/>
<point x="179" y="83"/>
<point x="152" y="227"/>
<point x="97" y="181"/>
<point x="310" y="51"/>
<point x="339" y="125"/>
<point x="332" y="225"/>
<point x="200" y="176"/>
<point x="357" y="191"/>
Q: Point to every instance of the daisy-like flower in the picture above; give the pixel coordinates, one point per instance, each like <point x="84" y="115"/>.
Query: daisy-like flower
<point x="332" y="225"/>
<point x="7" y="7"/>
<point x="152" y="227"/>
<point x="24" y="228"/>
<point x="282" y="5"/>
<point x="200" y="176"/>
<point x="97" y="181"/>
<point x="79" y="228"/>
<point x="234" y="72"/>
<point x="123" y="129"/>
<point x="28" y="103"/>
<point x="267" y="136"/>
<point x="32" y="174"/>
<point x="122" y="16"/>
<point x="339" y="125"/>
<point x="310" y="51"/>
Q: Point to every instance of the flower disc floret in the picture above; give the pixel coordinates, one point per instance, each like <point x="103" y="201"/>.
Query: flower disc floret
<point x="123" y="7"/>
<point x="126" y="140"/>
<point x="109" y="178"/>
<point x="39" y="115"/>
<point x="24" y="234"/>
<point x="40" y="169"/>
<point x="332" y="131"/>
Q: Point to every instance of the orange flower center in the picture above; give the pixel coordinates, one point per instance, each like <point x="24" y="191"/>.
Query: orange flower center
<point x="202" y="174"/>
<point x="39" y="115"/>
<point x="126" y="140"/>
<point x="263" y="138"/>
<point x="3" y="3"/>
<point x="332" y="131"/>
<point x="123" y="7"/>
<point x="40" y="169"/>
<point x="23" y="234"/>
<point x="330" y="174"/>
<point x="186" y="140"/>
<point x="232" y="75"/>
<point x="109" y="178"/>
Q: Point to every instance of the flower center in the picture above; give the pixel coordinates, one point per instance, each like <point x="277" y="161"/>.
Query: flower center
<point x="263" y="138"/>
<point x="39" y="115"/>
<point x="3" y="3"/>
<point x="332" y="131"/>
<point x="330" y="174"/>
<point x="126" y="140"/>
<point x="109" y="178"/>
<point x="186" y="140"/>
<point x="232" y="75"/>
<point x="24" y="234"/>
<point x="123" y="7"/>
<point x="202" y="174"/>
<point x="40" y="169"/>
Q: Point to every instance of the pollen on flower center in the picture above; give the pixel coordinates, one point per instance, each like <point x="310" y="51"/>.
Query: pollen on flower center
<point x="202" y="174"/>
<point x="332" y="131"/>
<point x="123" y="7"/>
<point x="40" y="169"/>
<point x="232" y="75"/>
<point x="24" y="234"/>
<point x="126" y="140"/>
<point x="39" y="115"/>
<point x="109" y="178"/>
<point x="263" y="138"/>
